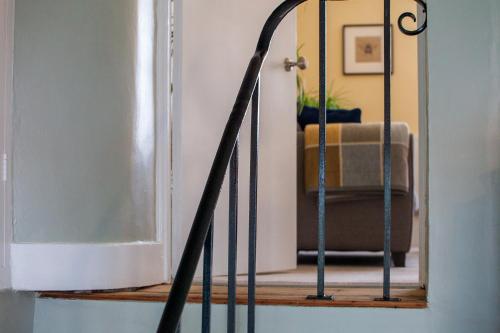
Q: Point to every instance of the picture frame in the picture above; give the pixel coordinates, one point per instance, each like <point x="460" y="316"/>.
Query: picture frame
<point x="364" y="49"/>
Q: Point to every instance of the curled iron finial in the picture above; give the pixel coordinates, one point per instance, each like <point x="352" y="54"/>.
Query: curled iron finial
<point x="414" y="18"/>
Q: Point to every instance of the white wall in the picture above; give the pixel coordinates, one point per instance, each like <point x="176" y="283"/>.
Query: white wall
<point x="83" y="121"/>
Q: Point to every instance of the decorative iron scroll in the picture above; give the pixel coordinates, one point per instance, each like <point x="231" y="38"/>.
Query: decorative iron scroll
<point x="420" y="29"/>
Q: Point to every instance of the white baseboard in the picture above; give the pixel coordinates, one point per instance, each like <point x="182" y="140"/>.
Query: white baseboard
<point x="86" y="266"/>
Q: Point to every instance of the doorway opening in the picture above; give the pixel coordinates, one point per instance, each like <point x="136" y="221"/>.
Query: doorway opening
<point x="354" y="217"/>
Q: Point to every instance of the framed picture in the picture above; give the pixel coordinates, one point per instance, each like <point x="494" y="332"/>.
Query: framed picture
<point x="364" y="49"/>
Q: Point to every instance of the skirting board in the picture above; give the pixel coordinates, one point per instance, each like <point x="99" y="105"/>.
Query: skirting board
<point x="49" y="266"/>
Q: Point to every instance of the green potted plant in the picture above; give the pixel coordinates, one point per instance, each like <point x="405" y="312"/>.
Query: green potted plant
<point x="308" y="105"/>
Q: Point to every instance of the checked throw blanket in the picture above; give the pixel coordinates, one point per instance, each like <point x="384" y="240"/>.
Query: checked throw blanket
<point x="354" y="157"/>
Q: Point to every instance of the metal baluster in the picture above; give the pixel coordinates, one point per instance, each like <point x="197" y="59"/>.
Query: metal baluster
<point x="233" y="240"/>
<point x="207" y="279"/>
<point x="387" y="149"/>
<point x="252" y="230"/>
<point x="387" y="152"/>
<point x="320" y="292"/>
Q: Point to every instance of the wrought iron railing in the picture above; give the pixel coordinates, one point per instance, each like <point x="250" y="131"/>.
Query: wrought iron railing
<point x="201" y="234"/>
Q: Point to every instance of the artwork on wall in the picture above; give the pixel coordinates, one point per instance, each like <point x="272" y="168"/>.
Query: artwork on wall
<point x="364" y="49"/>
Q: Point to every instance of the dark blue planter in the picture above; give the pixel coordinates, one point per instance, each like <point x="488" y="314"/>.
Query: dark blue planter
<point x="310" y="115"/>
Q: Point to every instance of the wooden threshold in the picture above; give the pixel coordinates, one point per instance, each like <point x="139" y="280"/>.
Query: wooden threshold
<point x="411" y="298"/>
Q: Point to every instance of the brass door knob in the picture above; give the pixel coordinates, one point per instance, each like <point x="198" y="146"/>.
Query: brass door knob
<point x="301" y="63"/>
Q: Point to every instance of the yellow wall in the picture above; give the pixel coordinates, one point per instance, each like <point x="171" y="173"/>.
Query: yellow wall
<point x="363" y="91"/>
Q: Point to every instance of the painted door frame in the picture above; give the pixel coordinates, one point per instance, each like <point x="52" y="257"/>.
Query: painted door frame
<point x="6" y="80"/>
<point x="423" y="152"/>
<point x="87" y="266"/>
<point x="164" y="107"/>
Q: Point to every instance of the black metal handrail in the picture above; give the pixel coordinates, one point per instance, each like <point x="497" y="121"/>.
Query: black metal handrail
<point x="202" y="221"/>
<point x="201" y="234"/>
<point x="412" y="16"/>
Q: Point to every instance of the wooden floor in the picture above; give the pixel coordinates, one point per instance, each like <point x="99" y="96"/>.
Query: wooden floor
<point x="265" y="295"/>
